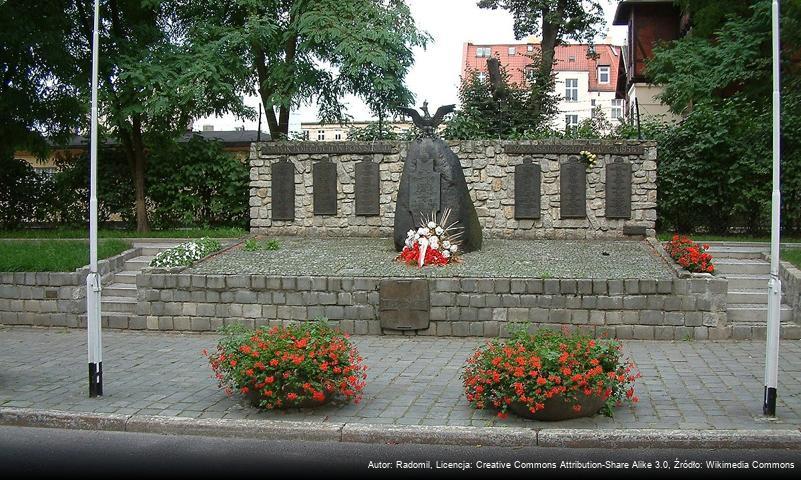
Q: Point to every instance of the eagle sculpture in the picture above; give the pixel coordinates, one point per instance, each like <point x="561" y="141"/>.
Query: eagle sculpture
<point x="427" y="124"/>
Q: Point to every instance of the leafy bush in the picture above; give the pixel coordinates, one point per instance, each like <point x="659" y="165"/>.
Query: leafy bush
<point x="197" y="183"/>
<point x="298" y="365"/>
<point x="24" y="194"/>
<point x="185" y="254"/>
<point x="690" y="255"/>
<point x="254" y="245"/>
<point x="528" y="370"/>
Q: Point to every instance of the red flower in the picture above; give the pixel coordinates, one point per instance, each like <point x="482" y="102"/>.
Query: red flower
<point x="292" y="396"/>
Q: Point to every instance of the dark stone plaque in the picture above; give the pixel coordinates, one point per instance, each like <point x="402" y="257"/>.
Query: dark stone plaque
<point x="332" y="148"/>
<point x="282" y="182"/>
<point x="613" y="149"/>
<point x="368" y="190"/>
<point x="573" y="189"/>
<point x="638" y="230"/>
<point x="424" y="189"/>
<point x="527" y="189"/>
<point x="618" y="189"/>
<point x="324" y="176"/>
<point x="404" y="304"/>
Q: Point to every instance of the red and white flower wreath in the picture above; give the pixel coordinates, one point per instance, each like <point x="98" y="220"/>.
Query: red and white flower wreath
<point x="433" y="243"/>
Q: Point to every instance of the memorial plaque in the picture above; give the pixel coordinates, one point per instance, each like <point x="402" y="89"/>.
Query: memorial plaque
<point x="331" y="148"/>
<point x="527" y="189"/>
<point x="282" y="181"/>
<point x="324" y="176"/>
<point x="367" y="188"/>
<point x="613" y="149"/>
<point x="424" y="189"/>
<point x="404" y="304"/>
<point x="573" y="189"/>
<point x="618" y="189"/>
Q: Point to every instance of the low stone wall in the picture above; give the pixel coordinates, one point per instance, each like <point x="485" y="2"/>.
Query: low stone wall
<point x="791" y="284"/>
<point x="51" y="299"/>
<point x="678" y="308"/>
<point x="489" y="169"/>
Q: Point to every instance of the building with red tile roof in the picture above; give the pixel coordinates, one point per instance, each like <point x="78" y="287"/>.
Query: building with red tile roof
<point x="586" y="76"/>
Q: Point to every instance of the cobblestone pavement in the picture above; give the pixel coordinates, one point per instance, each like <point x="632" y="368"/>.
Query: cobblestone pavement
<point x="372" y="257"/>
<point x="412" y="381"/>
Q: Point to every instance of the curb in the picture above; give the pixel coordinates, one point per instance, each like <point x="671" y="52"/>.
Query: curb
<point x="429" y="435"/>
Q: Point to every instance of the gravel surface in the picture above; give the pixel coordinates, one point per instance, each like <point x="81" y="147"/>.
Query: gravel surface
<point x="371" y="257"/>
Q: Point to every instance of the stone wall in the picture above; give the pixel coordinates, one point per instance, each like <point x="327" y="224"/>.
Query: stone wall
<point x="489" y="170"/>
<point x="791" y="285"/>
<point x="644" y="309"/>
<point x="51" y="299"/>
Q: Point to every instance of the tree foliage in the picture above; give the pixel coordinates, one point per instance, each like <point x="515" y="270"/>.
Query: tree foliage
<point x="298" y="51"/>
<point x="37" y="99"/>
<point x="715" y="166"/>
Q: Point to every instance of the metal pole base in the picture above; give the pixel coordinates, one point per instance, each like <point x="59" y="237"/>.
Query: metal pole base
<point x="769" y="405"/>
<point x="96" y="379"/>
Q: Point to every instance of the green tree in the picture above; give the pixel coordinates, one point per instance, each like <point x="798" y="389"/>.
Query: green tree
<point x="719" y="77"/>
<point x="555" y="21"/>
<point x="153" y="81"/>
<point x="298" y="51"/>
<point x="37" y="99"/>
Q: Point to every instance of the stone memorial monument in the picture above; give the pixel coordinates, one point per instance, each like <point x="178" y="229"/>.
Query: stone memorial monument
<point x="432" y="181"/>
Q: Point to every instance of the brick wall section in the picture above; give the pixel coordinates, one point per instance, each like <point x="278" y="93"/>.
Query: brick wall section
<point x="791" y="284"/>
<point x="490" y="178"/>
<point x="51" y="299"/>
<point x="642" y="309"/>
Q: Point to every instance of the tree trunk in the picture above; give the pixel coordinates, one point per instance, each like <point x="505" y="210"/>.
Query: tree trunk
<point x="131" y="137"/>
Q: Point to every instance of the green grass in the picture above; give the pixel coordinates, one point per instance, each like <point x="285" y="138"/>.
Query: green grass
<point x="53" y="255"/>
<point x="792" y="255"/>
<point x="78" y="233"/>
<point x="665" y="236"/>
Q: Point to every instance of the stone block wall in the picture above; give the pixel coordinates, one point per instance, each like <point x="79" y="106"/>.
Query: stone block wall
<point x="51" y="299"/>
<point x="489" y="171"/>
<point x="642" y="309"/>
<point x="791" y="284"/>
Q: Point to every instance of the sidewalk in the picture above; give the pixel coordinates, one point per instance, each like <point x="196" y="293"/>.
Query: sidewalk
<point x="692" y="386"/>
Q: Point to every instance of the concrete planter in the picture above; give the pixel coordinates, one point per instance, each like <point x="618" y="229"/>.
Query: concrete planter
<point x="556" y="408"/>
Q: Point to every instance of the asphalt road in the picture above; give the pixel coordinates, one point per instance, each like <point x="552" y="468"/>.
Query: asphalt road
<point x="94" y="454"/>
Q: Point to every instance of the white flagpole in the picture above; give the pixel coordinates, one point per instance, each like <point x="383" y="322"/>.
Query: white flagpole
<point x="775" y="284"/>
<point x="93" y="281"/>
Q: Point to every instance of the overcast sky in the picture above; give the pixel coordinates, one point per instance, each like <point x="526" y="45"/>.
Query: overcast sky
<point x="435" y="74"/>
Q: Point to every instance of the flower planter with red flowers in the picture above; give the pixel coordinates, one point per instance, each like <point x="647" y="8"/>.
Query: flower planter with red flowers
<point x="304" y="365"/>
<point x="549" y="376"/>
<point x="690" y="255"/>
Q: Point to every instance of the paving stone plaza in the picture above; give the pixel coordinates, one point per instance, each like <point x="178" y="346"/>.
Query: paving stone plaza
<point x="688" y="385"/>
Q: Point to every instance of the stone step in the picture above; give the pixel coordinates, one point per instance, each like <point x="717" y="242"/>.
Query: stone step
<point x="120" y="290"/>
<point x="750" y="312"/>
<point x="741" y="266"/>
<point x="725" y="254"/>
<point x="747" y="282"/>
<point x="118" y="304"/>
<point x="151" y="249"/>
<point x="125" y="276"/>
<point x="742" y="330"/>
<point x="138" y="263"/>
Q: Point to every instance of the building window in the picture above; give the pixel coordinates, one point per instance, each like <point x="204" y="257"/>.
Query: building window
<point x="593" y="110"/>
<point x="530" y="48"/>
<point x="603" y="74"/>
<point x="483" y="52"/>
<point x="482" y="77"/>
<point x="512" y="51"/>
<point x="617" y="108"/>
<point x="320" y="134"/>
<point x="338" y="136"/>
<point x="571" y="121"/>
<point x="571" y="89"/>
<point x="571" y="58"/>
